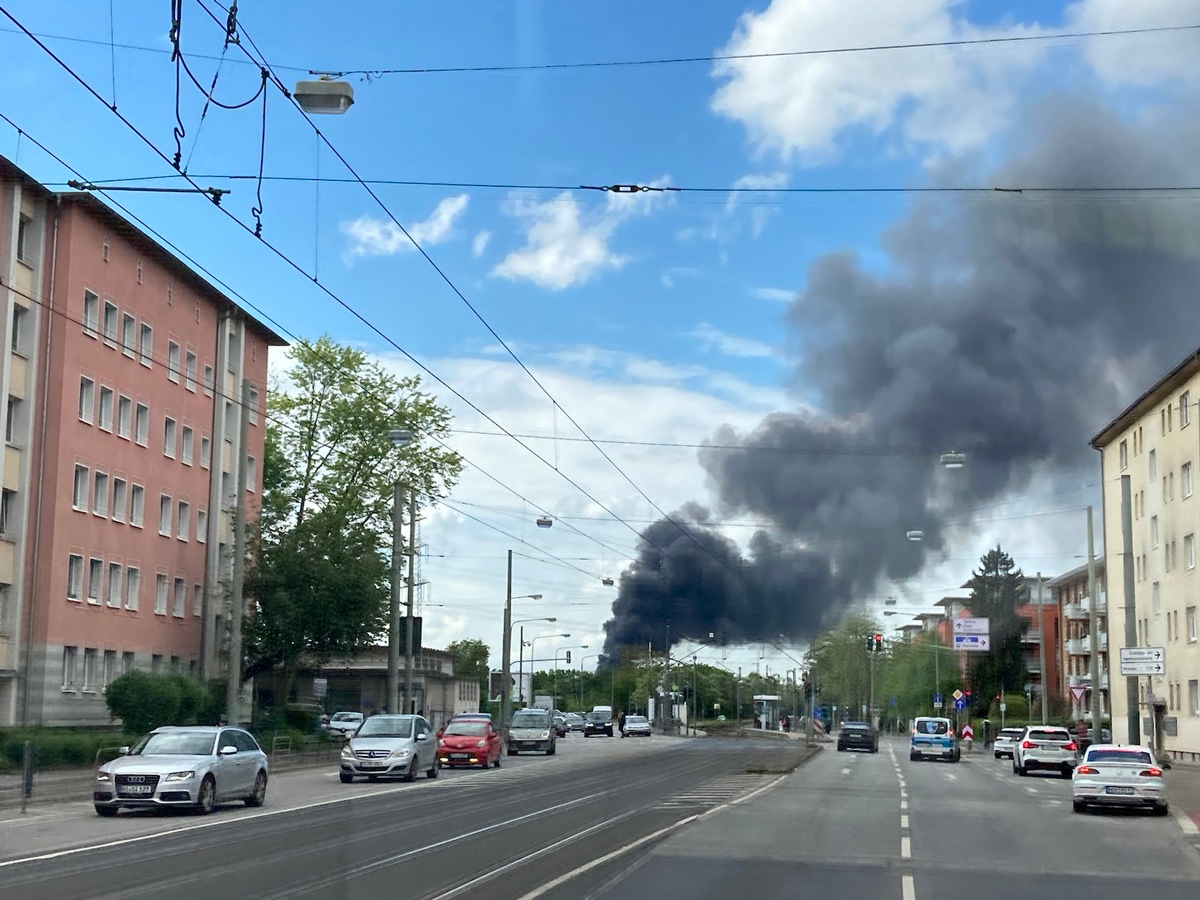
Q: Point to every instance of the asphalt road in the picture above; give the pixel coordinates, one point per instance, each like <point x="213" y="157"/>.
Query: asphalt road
<point x="879" y="826"/>
<point x="495" y="833"/>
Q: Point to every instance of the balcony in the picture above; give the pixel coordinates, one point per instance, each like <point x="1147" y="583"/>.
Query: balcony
<point x="1079" y="681"/>
<point x="1075" y="611"/>
<point x="1079" y="646"/>
<point x="1032" y="636"/>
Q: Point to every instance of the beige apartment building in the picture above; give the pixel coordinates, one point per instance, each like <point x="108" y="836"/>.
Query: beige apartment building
<point x="1156" y="442"/>
<point x="122" y="369"/>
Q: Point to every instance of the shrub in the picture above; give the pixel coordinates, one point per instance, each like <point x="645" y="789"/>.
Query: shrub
<point x="54" y="747"/>
<point x="143" y="701"/>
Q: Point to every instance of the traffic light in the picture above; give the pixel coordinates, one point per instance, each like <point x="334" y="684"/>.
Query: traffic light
<point x="568" y="657"/>
<point x="870" y="643"/>
<point x="878" y="643"/>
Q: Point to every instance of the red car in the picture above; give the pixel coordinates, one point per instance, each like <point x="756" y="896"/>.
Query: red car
<point x="469" y="742"/>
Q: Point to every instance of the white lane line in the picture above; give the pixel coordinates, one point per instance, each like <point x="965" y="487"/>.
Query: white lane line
<point x="903" y="803"/>
<point x="952" y="776"/>
<point x="905" y="848"/>
<point x="1031" y="790"/>
<point x="907" y="889"/>
<point x="1185" y="822"/>
<point x="904" y="821"/>
<point x="1055" y="802"/>
<point x="846" y="771"/>
<point x="903" y="794"/>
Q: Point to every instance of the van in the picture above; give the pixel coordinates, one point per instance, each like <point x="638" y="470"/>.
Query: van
<point x="933" y="737"/>
<point x="606" y="710"/>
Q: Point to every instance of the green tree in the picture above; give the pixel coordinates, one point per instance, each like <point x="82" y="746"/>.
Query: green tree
<point x="997" y="589"/>
<point x="471" y="661"/>
<point x="143" y="701"/>
<point x="321" y="576"/>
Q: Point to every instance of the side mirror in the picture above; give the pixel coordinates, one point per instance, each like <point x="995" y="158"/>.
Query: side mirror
<point x="228" y="750"/>
<point x="423" y="736"/>
<point x="123" y="751"/>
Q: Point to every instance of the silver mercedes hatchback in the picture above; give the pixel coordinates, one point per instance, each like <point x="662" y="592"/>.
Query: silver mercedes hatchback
<point x="192" y="766"/>
<point x="390" y="746"/>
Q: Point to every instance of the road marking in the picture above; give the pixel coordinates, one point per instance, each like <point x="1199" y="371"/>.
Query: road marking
<point x="907" y="889"/>
<point x="904" y="821"/>
<point x="1031" y="790"/>
<point x="905" y="848"/>
<point x="903" y="803"/>
<point x="903" y="794"/>
<point x="952" y="776"/>
<point x="1186" y="823"/>
<point x="845" y="771"/>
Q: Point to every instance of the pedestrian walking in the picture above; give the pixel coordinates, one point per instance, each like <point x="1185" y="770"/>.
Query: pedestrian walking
<point x="621" y="723"/>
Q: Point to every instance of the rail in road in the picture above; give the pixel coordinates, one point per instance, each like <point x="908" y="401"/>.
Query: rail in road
<point x="470" y="833"/>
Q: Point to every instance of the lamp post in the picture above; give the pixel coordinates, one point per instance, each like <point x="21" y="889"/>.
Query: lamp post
<point x="532" y="652"/>
<point x="566" y="650"/>
<point x="521" y="654"/>
<point x="399" y="438"/>
<point x="506" y="649"/>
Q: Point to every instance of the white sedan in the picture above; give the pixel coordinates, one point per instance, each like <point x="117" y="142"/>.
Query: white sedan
<point x="1110" y="775"/>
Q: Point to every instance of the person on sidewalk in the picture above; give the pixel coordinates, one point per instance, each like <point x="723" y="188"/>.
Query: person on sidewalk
<point x="621" y="723"/>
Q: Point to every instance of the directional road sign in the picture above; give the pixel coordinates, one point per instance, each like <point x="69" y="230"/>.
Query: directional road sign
<point x="937" y="699"/>
<point x="1143" y="660"/>
<point x="978" y="642"/>
<point x="971" y="625"/>
<point x="960" y="704"/>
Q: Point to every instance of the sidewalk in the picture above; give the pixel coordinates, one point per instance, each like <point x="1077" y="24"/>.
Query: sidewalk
<point x="1183" y="790"/>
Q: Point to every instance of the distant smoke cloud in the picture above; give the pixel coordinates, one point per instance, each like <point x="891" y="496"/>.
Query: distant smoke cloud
<point x="1003" y="326"/>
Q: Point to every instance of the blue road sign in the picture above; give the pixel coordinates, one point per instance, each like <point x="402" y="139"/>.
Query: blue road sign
<point x="960" y="704"/>
<point x="891" y="701"/>
<point x="937" y="698"/>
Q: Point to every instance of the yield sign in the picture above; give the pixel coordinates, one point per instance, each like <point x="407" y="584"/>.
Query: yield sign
<point x="1077" y="693"/>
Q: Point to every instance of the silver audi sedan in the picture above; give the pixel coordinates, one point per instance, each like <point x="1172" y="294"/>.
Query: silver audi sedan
<point x="190" y="766"/>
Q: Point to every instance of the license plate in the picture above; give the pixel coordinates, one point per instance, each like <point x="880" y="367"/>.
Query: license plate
<point x="373" y="764"/>
<point x="460" y="755"/>
<point x="1112" y="789"/>
<point x="137" y="789"/>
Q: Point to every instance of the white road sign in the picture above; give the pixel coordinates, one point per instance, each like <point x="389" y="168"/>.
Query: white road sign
<point x="969" y="625"/>
<point x="980" y="642"/>
<point x="1143" y="660"/>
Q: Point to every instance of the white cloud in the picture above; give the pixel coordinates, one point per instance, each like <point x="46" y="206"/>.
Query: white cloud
<point x="711" y="338"/>
<point x="567" y="244"/>
<point x="781" y="295"/>
<point x="1140" y="60"/>
<point x="370" y="236"/>
<point x="799" y="107"/>
<point x="480" y="243"/>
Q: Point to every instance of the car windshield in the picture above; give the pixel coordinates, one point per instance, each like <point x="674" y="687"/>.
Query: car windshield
<point x="855" y="726"/>
<point x="386" y="727"/>
<point x="1131" y="757"/>
<point x="1011" y="734"/>
<point x="467" y="729"/>
<point x="526" y="719"/>
<point x="175" y="743"/>
<point x="346" y="717"/>
<point x="598" y="717"/>
<point x="932" y="726"/>
<point x="1045" y="734"/>
<point x="636" y="720"/>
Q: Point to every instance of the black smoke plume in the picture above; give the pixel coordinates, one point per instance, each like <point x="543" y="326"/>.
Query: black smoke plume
<point x="1011" y="326"/>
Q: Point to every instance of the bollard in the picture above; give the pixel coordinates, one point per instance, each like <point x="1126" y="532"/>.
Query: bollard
<point x="968" y="743"/>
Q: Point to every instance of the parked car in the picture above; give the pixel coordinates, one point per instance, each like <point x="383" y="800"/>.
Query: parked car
<point x="195" y="766"/>
<point x="1045" y="747"/>
<point x="1005" y="741"/>
<point x="858" y="736"/>
<point x="933" y="736"/>
<point x="532" y="729"/>
<point x="390" y="746"/>
<point x="637" y="726"/>
<point x="574" y="722"/>
<point x="469" y="742"/>
<point x="560" y="725"/>
<point x="344" y="724"/>
<point x="598" y="722"/>
<point x="1109" y="775"/>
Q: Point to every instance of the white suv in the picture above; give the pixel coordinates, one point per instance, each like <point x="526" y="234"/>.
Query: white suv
<point x="1045" y="747"/>
<point x="1005" y="741"/>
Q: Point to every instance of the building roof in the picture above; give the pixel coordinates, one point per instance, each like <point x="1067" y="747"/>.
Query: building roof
<point x="95" y="206"/>
<point x="1154" y="395"/>
<point x="1076" y="573"/>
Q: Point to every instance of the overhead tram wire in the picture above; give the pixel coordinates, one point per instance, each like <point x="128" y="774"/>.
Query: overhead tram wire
<point x="698" y="59"/>
<point x="278" y="326"/>
<point x="686" y="532"/>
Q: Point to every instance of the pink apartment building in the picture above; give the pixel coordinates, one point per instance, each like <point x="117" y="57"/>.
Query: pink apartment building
<point x="123" y="369"/>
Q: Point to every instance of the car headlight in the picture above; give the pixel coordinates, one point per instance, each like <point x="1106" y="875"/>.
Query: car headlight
<point x="347" y="753"/>
<point x="481" y="744"/>
<point x="180" y="776"/>
<point x="545" y="734"/>
<point x="400" y="754"/>
<point x="103" y="777"/>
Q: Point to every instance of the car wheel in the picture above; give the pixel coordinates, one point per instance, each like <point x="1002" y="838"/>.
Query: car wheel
<point x="1065" y="772"/>
<point x="912" y="757"/>
<point x="840" y="748"/>
<point x="259" y="794"/>
<point x="1078" y="806"/>
<point x="996" y="755"/>
<point x="496" y="764"/>
<point x="550" y="750"/>
<point x="411" y="775"/>
<point x="433" y="771"/>
<point x="106" y="812"/>
<point x="1023" y="770"/>
<point x="345" y="779"/>
<point x="1162" y="810"/>
<point x="512" y="752"/>
<point x="207" y="797"/>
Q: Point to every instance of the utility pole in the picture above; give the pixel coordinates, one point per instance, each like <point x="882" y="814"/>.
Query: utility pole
<point x="1042" y="646"/>
<point x="236" y="599"/>
<point x="410" y="700"/>
<point x="1094" y="626"/>
<point x="393" y="691"/>
<point x="871" y="699"/>
<point x="521" y="668"/>
<point x="670" y="720"/>
<point x="738" y="696"/>
<point x="1133" y="712"/>
<point x="506" y="653"/>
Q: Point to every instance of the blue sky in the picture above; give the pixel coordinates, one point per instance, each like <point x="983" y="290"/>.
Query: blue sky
<point x="652" y="318"/>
